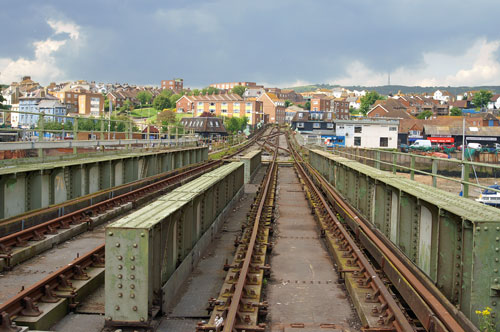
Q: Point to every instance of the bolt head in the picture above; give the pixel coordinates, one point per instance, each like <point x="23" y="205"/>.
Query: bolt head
<point x="110" y="233"/>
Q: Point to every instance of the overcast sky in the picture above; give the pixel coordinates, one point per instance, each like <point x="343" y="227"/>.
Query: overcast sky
<point x="275" y="42"/>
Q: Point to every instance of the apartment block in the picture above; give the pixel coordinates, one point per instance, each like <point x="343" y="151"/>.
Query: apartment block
<point x="230" y="85"/>
<point x="91" y="104"/>
<point x="273" y="107"/>
<point x="222" y="105"/>
<point x="176" y="85"/>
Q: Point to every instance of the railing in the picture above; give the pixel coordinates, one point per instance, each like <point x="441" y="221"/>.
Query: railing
<point x="453" y="170"/>
<point x="30" y="138"/>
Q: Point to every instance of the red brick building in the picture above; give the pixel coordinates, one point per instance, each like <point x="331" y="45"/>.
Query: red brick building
<point x="222" y="105"/>
<point x="340" y="108"/>
<point x="176" y="85"/>
<point x="274" y="107"/>
<point x="320" y="104"/>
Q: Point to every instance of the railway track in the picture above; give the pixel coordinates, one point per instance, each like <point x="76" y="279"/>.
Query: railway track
<point x="433" y="312"/>
<point x="238" y="304"/>
<point x="383" y="303"/>
<point x="57" y="287"/>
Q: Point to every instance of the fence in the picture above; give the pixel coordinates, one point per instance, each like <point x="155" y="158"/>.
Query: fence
<point x="458" y="172"/>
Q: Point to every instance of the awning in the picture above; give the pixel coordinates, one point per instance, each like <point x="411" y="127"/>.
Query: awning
<point x="441" y="139"/>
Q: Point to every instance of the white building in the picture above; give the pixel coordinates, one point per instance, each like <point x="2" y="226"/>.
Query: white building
<point x="494" y="102"/>
<point x="369" y="133"/>
<point x="442" y="96"/>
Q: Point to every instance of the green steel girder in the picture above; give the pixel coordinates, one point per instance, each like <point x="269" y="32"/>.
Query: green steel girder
<point x="453" y="240"/>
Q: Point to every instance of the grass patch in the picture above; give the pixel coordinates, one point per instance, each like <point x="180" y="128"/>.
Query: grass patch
<point x="143" y="112"/>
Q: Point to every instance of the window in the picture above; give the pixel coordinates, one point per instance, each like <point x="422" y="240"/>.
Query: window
<point x="357" y="141"/>
<point x="300" y="124"/>
<point x="315" y="109"/>
<point x="357" y="129"/>
<point x="316" y="125"/>
<point x="393" y="128"/>
<point x="329" y="125"/>
<point x="384" y="142"/>
<point x="200" y="103"/>
<point x="301" y="115"/>
<point x="315" y="102"/>
<point x="329" y="117"/>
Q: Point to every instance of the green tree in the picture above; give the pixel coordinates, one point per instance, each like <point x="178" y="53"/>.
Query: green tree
<point x="68" y="125"/>
<point x="239" y="90"/>
<point x="1" y="102"/>
<point x="161" y="102"/>
<point x="288" y="103"/>
<point x="144" y="97"/>
<point x="307" y="106"/>
<point x="455" y="111"/>
<point x="425" y="115"/>
<point x="196" y="92"/>
<point x="212" y="91"/>
<point x="235" y="124"/>
<point x="352" y="110"/>
<point x="173" y="100"/>
<point x="368" y="100"/>
<point x="165" y="118"/>
<point x="482" y="98"/>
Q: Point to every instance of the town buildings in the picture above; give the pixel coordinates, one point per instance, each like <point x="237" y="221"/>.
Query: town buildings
<point x="31" y="104"/>
<point x="222" y="104"/>
<point x="369" y="133"/>
<point x="176" y="85"/>
<point x="230" y="85"/>
<point x="273" y="107"/>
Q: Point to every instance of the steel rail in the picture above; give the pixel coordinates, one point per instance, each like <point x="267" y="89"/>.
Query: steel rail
<point x="24" y="303"/>
<point x="400" y="322"/>
<point x="440" y="311"/>
<point x="230" y="322"/>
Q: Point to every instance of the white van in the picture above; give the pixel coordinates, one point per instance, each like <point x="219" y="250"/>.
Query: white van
<point x="421" y="143"/>
<point x="474" y="146"/>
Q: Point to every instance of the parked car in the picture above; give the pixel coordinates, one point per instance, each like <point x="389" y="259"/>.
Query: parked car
<point x="476" y="146"/>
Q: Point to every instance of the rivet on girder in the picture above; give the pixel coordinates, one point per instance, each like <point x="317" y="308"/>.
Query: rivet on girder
<point x="142" y="319"/>
<point x="120" y="286"/>
<point x="117" y="307"/>
<point x="117" y="244"/>
<point x="495" y="270"/>
<point x="134" y="308"/>
<point x="132" y="267"/>
<point x="120" y="258"/>
<point x="132" y="258"/>
<point x="494" y="303"/>
<point x="486" y="228"/>
<point x="132" y="295"/>
<point x="142" y="234"/>
<point x="132" y="277"/>
<point x="120" y="294"/>
<point x="135" y="245"/>
<point x="120" y="276"/>
<point x="109" y="318"/>
<point x="120" y="267"/>
<point x="132" y="286"/>
<point x="110" y="233"/>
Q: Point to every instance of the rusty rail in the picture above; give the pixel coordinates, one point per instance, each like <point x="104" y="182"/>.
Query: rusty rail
<point x="24" y="303"/>
<point x="231" y="318"/>
<point x="239" y="300"/>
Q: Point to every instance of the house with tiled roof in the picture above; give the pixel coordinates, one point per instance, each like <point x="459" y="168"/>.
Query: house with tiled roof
<point x="443" y="96"/>
<point x="224" y="104"/>
<point x="494" y="103"/>
<point x="390" y="108"/>
<point x="273" y="107"/>
<point x="206" y="125"/>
